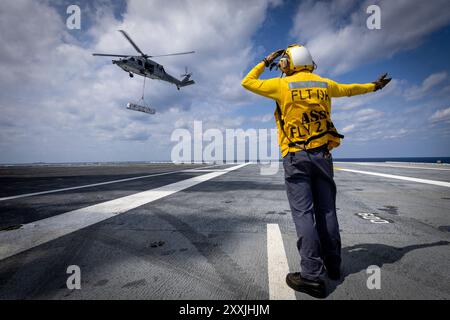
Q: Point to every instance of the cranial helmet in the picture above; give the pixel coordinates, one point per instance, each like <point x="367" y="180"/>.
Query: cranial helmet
<point x="296" y="58"/>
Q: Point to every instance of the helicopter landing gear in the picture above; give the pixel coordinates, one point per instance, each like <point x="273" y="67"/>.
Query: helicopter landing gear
<point x="131" y="75"/>
<point x="178" y="88"/>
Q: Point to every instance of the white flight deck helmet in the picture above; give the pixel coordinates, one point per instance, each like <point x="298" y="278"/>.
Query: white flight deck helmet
<point x="296" y="58"/>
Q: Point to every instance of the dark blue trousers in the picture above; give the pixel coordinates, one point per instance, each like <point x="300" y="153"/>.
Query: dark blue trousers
<point x="312" y="197"/>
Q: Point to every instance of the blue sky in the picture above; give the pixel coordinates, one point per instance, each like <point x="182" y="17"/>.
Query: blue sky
<point x="60" y="104"/>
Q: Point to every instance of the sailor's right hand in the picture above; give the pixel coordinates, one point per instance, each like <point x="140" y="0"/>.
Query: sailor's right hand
<point x="269" y="59"/>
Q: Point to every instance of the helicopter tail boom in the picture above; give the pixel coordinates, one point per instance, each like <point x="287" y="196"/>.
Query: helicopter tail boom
<point x="185" y="83"/>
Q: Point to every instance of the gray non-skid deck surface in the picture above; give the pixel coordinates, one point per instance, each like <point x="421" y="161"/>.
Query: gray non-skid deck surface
<point x="212" y="236"/>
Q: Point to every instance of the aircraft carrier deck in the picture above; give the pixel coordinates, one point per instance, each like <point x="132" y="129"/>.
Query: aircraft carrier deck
<point x="164" y="231"/>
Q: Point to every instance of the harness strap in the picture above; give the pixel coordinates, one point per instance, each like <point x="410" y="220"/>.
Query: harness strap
<point x="307" y="141"/>
<point x="317" y="136"/>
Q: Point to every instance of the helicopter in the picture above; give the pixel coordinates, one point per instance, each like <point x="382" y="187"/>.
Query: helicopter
<point x="143" y="66"/>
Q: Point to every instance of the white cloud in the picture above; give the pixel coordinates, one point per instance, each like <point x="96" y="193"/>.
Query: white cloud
<point x="441" y="115"/>
<point x="263" y="118"/>
<point x="359" y="116"/>
<point x="337" y="36"/>
<point x="348" y="128"/>
<point x="417" y="92"/>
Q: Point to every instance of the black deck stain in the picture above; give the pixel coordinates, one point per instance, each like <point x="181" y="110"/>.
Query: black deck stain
<point x="135" y="284"/>
<point x="270" y="212"/>
<point x="157" y="244"/>
<point x="101" y="283"/>
<point x="390" y="209"/>
<point x="11" y="227"/>
<point x="444" y="228"/>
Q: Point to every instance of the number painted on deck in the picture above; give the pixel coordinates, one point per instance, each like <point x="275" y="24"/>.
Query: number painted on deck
<point x="371" y="217"/>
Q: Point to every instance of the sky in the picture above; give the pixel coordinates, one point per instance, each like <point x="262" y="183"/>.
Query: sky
<point x="58" y="103"/>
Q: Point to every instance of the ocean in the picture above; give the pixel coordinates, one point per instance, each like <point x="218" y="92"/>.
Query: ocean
<point x="406" y="159"/>
<point x="442" y="160"/>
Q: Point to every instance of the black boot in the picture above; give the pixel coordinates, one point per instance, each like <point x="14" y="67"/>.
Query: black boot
<point x="313" y="288"/>
<point x="334" y="273"/>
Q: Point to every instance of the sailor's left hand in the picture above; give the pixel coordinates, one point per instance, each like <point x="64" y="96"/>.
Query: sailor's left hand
<point x="381" y="82"/>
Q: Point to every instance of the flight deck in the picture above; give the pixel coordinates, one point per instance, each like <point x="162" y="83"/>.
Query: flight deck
<point x="204" y="231"/>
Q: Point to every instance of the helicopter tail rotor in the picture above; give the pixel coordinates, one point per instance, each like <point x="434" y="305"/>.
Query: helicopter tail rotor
<point x="186" y="74"/>
<point x="186" y="81"/>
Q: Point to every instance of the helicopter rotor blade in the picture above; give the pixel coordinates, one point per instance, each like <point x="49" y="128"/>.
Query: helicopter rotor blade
<point x="186" y="72"/>
<point x="110" y="55"/>
<point x="132" y="43"/>
<point x="172" y="54"/>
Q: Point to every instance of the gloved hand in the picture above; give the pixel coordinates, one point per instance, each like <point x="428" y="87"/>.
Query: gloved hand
<point x="269" y="59"/>
<point x="381" y="82"/>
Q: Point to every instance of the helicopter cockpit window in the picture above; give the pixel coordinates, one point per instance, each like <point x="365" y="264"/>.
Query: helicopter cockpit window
<point x="131" y="59"/>
<point x="140" y="62"/>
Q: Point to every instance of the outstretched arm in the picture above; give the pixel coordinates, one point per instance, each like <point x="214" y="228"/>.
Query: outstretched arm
<point x="347" y="90"/>
<point x="342" y="90"/>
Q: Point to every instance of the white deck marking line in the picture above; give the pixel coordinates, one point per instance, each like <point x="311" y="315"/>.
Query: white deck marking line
<point x="240" y="166"/>
<point x="391" y="166"/>
<point x="211" y="166"/>
<point x="208" y="170"/>
<point x="433" y="182"/>
<point x="92" y="185"/>
<point x="214" y="170"/>
<point x="278" y="266"/>
<point x="35" y="233"/>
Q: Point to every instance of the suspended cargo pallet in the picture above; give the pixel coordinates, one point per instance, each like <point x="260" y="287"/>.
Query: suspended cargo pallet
<point x="137" y="107"/>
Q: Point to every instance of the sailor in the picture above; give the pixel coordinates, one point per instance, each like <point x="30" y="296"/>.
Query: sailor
<point x="306" y="136"/>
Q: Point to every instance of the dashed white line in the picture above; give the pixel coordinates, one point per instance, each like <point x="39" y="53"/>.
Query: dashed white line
<point x="278" y="266"/>
<point x="33" y="234"/>
<point x="384" y="175"/>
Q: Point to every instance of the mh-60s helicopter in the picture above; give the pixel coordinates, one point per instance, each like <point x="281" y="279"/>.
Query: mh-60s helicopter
<point x="143" y="66"/>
